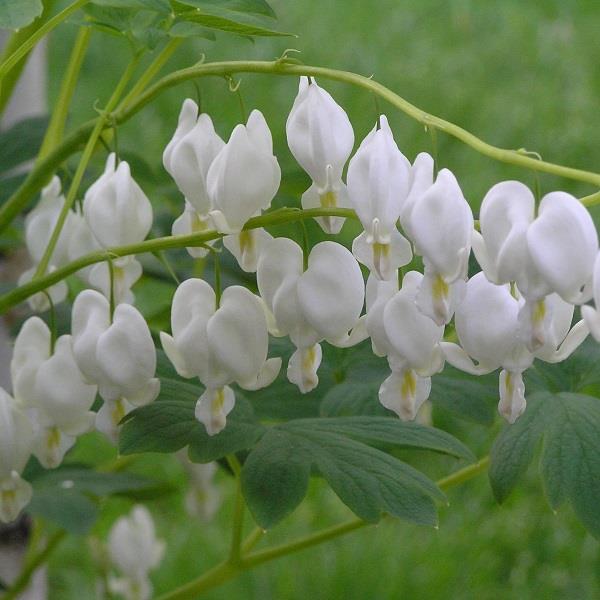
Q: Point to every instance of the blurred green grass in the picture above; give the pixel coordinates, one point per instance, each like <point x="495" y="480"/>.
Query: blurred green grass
<point x="518" y="74"/>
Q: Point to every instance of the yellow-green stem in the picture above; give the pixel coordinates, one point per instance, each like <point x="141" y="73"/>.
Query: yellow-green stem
<point x="56" y="127"/>
<point x="285" y="215"/>
<point x="235" y="552"/>
<point x="81" y="167"/>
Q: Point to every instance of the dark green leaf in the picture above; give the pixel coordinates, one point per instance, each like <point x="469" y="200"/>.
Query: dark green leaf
<point x="185" y="29"/>
<point x="70" y="510"/>
<point x="389" y="431"/>
<point x="258" y="7"/>
<point x="514" y="447"/>
<point x="275" y="477"/>
<point x="15" y="14"/>
<point x="351" y="398"/>
<point x="21" y="143"/>
<point x="229" y="25"/>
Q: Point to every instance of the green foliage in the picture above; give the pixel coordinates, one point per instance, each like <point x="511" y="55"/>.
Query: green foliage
<point x="20" y="143"/>
<point x="15" y="15"/>
<point x="570" y="461"/>
<point x="68" y="496"/>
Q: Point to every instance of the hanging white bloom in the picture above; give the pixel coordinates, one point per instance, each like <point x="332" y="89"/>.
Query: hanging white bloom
<point x="219" y="345"/>
<point x="441" y="225"/>
<point x="116" y="354"/>
<point x="589" y="313"/>
<point x="321" y="138"/>
<point x="203" y="498"/>
<point x="488" y="326"/>
<point x="244" y="177"/>
<point x="187" y="158"/>
<point x="16" y="439"/>
<point x="115" y="207"/>
<point x="52" y="386"/>
<point x="553" y="252"/>
<point x="322" y="303"/>
<point x="411" y="341"/>
<point x="134" y="551"/>
<point x="125" y="274"/>
<point x="378" y="293"/>
<point x="378" y="180"/>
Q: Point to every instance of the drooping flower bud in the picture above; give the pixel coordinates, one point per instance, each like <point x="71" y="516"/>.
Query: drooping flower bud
<point x="244" y="177"/>
<point x="378" y="179"/>
<point x="219" y="345"/>
<point x="321" y="138"/>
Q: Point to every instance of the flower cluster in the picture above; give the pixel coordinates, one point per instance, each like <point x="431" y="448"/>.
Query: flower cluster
<point x="538" y="264"/>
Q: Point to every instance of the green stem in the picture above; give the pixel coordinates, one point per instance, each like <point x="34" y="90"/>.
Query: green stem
<point x="285" y="215"/>
<point x="591" y="200"/>
<point x="42" y="172"/>
<point x="56" y="127"/>
<point x="253" y="539"/>
<point x="81" y="167"/>
<point x="31" y="567"/>
<point x="227" y="570"/>
<point x="31" y="41"/>
<point x="155" y="66"/>
<point x="235" y="552"/>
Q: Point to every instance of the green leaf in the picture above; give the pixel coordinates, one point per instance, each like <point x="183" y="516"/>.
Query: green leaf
<point x="161" y="6"/>
<point x="19" y="13"/>
<point x="569" y="425"/>
<point x="389" y="431"/>
<point x="514" y="447"/>
<point x="229" y="25"/>
<point x="351" y="398"/>
<point x="66" y="495"/>
<point x="275" y="477"/>
<point x="369" y="481"/>
<point x="258" y="7"/>
<point x="21" y="143"/>
<point x="185" y="29"/>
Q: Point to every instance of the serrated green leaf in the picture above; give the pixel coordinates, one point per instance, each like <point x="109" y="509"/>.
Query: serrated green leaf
<point x="229" y="25"/>
<point x="389" y="431"/>
<point x="275" y="477"/>
<point x="514" y="447"/>
<point x="258" y="7"/>
<point x="570" y="462"/>
<point x="19" y="13"/>
<point x="21" y="143"/>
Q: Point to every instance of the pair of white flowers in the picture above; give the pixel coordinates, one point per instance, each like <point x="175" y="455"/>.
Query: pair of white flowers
<point x="224" y="185"/>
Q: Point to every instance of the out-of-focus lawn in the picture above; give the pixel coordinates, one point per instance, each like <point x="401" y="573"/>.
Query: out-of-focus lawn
<point x="518" y="74"/>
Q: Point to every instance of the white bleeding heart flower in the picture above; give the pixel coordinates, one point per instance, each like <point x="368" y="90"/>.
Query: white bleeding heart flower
<point x="16" y="440"/>
<point x="589" y="313"/>
<point x="203" y="498"/>
<point x="322" y="303"/>
<point x="115" y="207"/>
<point x="50" y="383"/>
<point x="563" y="244"/>
<point x="134" y="550"/>
<point x="378" y="293"/>
<point x="244" y="177"/>
<point x="412" y="344"/>
<point x="189" y="154"/>
<point x="378" y="180"/>
<point x="247" y="246"/>
<point x="490" y="331"/>
<point x="125" y="273"/>
<point x="320" y="137"/>
<point x="441" y="225"/>
<point x="219" y="345"/>
<point x="81" y="242"/>
<point x="116" y="354"/>
<point x="553" y="252"/>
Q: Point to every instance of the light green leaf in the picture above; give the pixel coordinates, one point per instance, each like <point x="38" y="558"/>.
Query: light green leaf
<point x="162" y="6"/>
<point x="258" y="7"/>
<point x="229" y="25"/>
<point x="15" y="14"/>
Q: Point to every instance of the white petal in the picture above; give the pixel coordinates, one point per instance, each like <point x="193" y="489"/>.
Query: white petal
<point x="383" y="260"/>
<point x="404" y="392"/>
<point x="303" y="366"/>
<point x="438" y="299"/>
<point x="51" y="445"/>
<point x="421" y="179"/>
<point x="247" y="246"/>
<point x="335" y="195"/>
<point x="16" y="436"/>
<point x="213" y="407"/>
<point x="459" y="359"/>
<point x="15" y="495"/>
<point x="512" y="395"/>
